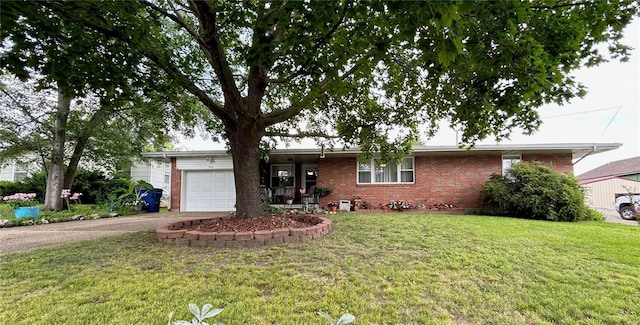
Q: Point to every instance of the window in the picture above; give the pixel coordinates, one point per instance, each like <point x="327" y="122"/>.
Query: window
<point x="377" y="172"/>
<point x="167" y="173"/>
<point x="282" y="175"/>
<point x="20" y="175"/>
<point x="509" y="160"/>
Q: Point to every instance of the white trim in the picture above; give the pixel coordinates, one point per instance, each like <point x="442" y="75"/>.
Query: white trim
<point x="577" y="150"/>
<point x="183" y="189"/>
<point x="303" y="172"/>
<point x="510" y="159"/>
<point x="398" y="172"/>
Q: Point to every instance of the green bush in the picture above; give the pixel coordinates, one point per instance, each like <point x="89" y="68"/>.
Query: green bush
<point x="95" y="186"/>
<point x="34" y="184"/>
<point x="535" y="191"/>
<point x="268" y="208"/>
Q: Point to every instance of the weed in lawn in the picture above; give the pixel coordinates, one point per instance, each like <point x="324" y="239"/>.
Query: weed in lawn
<point x="198" y="315"/>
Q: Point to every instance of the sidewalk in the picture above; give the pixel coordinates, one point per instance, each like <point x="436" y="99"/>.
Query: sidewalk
<point x="26" y="238"/>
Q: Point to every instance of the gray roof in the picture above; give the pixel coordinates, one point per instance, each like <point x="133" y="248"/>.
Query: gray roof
<point x="629" y="166"/>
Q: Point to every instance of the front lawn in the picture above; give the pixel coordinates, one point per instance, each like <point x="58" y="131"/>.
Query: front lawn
<point x="385" y="268"/>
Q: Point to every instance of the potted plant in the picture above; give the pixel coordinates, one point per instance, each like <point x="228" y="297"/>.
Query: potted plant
<point x="288" y="198"/>
<point x="23" y="205"/>
<point x="333" y="206"/>
<point x="323" y="191"/>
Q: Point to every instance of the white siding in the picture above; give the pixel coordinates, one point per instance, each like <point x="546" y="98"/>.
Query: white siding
<point x="210" y="163"/>
<point x="6" y="172"/>
<point x="602" y="194"/>
<point x="154" y="172"/>
<point x="13" y="171"/>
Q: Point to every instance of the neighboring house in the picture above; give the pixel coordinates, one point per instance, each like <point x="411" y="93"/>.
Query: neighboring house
<point x="157" y="173"/>
<point x="203" y="180"/>
<point x="605" y="183"/>
<point x="14" y="171"/>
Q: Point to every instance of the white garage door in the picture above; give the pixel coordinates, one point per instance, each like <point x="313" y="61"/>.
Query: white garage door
<point x="209" y="191"/>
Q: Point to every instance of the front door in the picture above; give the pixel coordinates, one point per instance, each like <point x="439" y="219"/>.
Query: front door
<point x="309" y="179"/>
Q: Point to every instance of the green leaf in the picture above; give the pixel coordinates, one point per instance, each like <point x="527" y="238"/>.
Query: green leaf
<point x="346" y="319"/>
<point x="194" y="309"/>
<point x="326" y="316"/>
<point x="211" y="313"/>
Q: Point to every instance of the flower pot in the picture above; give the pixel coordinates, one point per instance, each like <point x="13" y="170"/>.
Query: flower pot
<point x="26" y="212"/>
<point x="333" y="208"/>
<point x="289" y="201"/>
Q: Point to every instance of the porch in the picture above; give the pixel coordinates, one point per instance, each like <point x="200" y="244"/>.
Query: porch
<point x="289" y="181"/>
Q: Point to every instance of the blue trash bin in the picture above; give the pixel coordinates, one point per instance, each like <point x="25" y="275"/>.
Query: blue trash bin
<point x="152" y="199"/>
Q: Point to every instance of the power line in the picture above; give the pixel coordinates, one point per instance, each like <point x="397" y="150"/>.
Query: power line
<point x="587" y="112"/>
<point x="611" y="120"/>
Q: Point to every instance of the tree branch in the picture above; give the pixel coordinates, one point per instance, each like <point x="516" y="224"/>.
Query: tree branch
<point x="214" y="50"/>
<point x="151" y="53"/>
<point x="563" y="5"/>
<point x="319" y="42"/>
<point x="281" y="115"/>
<point x="176" y="18"/>
<point x="25" y="110"/>
<point x="300" y="135"/>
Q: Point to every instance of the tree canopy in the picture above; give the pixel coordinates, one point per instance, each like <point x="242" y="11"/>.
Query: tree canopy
<point x="355" y="70"/>
<point x="109" y="106"/>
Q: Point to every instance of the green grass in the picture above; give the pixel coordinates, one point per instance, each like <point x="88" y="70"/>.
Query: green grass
<point x="6" y="212"/>
<point x="389" y="268"/>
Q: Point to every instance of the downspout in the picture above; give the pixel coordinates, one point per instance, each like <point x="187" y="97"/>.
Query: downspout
<point x="586" y="155"/>
<point x="164" y="157"/>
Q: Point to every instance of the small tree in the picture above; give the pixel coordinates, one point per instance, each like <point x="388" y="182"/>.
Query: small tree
<point x="535" y="191"/>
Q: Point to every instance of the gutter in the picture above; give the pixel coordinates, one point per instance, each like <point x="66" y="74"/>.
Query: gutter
<point x="593" y="149"/>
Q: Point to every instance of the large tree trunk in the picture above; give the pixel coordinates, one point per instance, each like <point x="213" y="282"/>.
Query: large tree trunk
<point x="55" y="178"/>
<point x="245" y="150"/>
<point x="81" y="144"/>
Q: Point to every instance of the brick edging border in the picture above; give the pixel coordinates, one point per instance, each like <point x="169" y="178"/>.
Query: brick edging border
<point x="183" y="237"/>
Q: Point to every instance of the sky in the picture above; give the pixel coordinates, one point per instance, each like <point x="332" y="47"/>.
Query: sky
<point x="609" y="113"/>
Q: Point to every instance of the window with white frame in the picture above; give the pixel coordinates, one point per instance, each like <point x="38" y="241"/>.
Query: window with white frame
<point x="282" y="175"/>
<point x="375" y="171"/>
<point x="508" y="161"/>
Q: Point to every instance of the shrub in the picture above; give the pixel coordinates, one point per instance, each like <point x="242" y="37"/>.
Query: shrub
<point x="323" y="191"/>
<point x="535" y="191"/>
<point x="268" y="208"/>
<point x="593" y="214"/>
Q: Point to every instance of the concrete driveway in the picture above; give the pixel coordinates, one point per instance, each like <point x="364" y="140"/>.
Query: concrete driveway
<point x="612" y="216"/>
<point x="26" y="238"/>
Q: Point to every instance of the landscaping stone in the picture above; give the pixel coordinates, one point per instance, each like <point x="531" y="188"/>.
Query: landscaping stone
<point x="77" y="217"/>
<point x="203" y="232"/>
<point x="112" y="215"/>
<point x="6" y="223"/>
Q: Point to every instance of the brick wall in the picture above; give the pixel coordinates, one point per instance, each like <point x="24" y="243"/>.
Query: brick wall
<point x="176" y="186"/>
<point x="560" y="162"/>
<point x="438" y="179"/>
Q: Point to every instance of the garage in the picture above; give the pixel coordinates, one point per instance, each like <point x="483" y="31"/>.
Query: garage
<point x="208" y="190"/>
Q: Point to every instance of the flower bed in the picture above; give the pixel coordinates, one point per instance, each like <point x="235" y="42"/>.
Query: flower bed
<point x="186" y="233"/>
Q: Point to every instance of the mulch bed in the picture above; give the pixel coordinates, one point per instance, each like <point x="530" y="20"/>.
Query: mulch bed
<point x="252" y="224"/>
